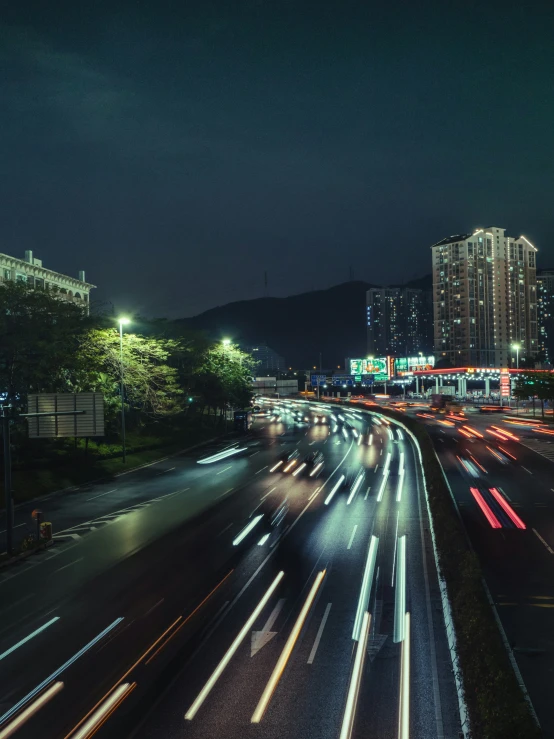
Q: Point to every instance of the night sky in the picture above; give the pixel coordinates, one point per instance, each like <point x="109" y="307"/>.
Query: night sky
<point x="177" y="151"/>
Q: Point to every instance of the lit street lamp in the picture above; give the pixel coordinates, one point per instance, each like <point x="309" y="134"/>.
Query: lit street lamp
<point x="517" y="347"/>
<point x="226" y="343"/>
<point x="122" y="322"/>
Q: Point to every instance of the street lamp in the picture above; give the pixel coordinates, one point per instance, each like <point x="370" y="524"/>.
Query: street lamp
<point x="122" y="322"/>
<point x="226" y="343"/>
<point x="517" y="347"/>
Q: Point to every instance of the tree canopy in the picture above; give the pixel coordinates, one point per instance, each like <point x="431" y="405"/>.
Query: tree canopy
<point x="50" y="345"/>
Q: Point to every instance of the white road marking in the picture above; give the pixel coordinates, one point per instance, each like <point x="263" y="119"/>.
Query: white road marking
<point x="153" y="607"/>
<point x="287" y="651"/>
<point x="542" y="540"/>
<point x="352" y="537"/>
<point x="216" y="674"/>
<point x="101" y="494"/>
<point x="225" y="493"/>
<point x="262" y="469"/>
<point x="13" y="527"/>
<point x="265" y="496"/>
<point x="505" y="494"/>
<point x="263" y="637"/>
<point x="319" y="634"/>
<point x="170" y="469"/>
<point x="224" y="470"/>
<point x="75" y="561"/>
<point x="367" y="492"/>
<point x="526" y="470"/>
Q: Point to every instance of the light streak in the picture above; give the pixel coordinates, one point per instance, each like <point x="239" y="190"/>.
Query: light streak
<point x="36" y="632"/>
<point x="400" y="591"/>
<point x="290" y="465"/>
<point x="101" y="715"/>
<point x="287" y="651"/>
<point x="355" y="487"/>
<point x="14" y="709"/>
<point x="276" y="466"/>
<point x="247" y="529"/>
<point x="299" y="469"/>
<point x="355" y="680"/>
<point x="220" y="455"/>
<point x="329" y="498"/>
<point x="216" y="674"/>
<point x="316" y="468"/>
<point x="489" y="515"/>
<point x="507" y="508"/>
<point x="365" y="590"/>
<point x="263" y="540"/>
<point x="35" y="706"/>
<point x="404" y="708"/>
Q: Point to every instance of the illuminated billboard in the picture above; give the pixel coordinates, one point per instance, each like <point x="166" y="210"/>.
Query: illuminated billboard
<point x="379" y="367"/>
<point x="413" y="364"/>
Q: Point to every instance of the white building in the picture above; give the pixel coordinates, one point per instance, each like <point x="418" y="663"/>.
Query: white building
<point x="31" y="272"/>
<point x="484" y="298"/>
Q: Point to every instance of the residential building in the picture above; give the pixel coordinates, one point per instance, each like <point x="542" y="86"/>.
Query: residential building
<point x="545" y="313"/>
<point x="399" y="321"/>
<point x="269" y="360"/>
<point x="484" y="298"/>
<point x="32" y="273"/>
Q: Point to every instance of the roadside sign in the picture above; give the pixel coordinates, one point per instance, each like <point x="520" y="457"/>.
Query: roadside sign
<point x="318" y="380"/>
<point x="82" y="414"/>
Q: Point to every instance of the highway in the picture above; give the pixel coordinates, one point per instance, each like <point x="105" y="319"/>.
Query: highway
<point x="173" y="608"/>
<point x="504" y="489"/>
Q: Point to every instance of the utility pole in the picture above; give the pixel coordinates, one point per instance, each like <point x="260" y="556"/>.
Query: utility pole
<point x="8" y="477"/>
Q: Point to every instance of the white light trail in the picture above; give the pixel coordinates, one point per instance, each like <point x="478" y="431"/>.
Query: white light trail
<point x="98" y="717"/>
<point x="391" y="434"/>
<point x="400" y="590"/>
<point x="365" y="590"/>
<point x="400" y="478"/>
<point x="344" y="433"/>
<point x="404" y="710"/>
<point x="355" y="680"/>
<point x="359" y="439"/>
<point x="216" y="674"/>
<point x="316" y="468"/>
<point x="370" y="442"/>
<point x="299" y="469"/>
<point x="355" y="487"/>
<point x="25" y="715"/>
<point x="275" y="466"/>
<point x="28" y="638"/>
<point x="400" y="435"/>
<point x="220" y="455"/>
<point x="355" y="433"/>
<point x="14" y="709"/>
<point x="382" y="488"/>
<point x="263" y="540"/>
<point x="247" y="529"/>
<point x="287" y="651"/>
<point x="329" y="498"/>
<point x="290" y="465"/>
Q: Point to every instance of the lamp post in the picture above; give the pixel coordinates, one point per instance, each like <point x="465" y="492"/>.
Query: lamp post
<point x="122" y="322"/>
<point x="226" y="343"/>
<point x="517" y="347"/>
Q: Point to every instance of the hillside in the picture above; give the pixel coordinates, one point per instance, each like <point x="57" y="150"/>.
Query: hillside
<point x="298" y="327"/>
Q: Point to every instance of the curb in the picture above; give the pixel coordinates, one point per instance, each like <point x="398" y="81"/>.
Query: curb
<point x="24" y="555"/>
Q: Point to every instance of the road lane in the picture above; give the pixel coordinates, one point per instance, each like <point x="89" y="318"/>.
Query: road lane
<point x="517" y="563"/>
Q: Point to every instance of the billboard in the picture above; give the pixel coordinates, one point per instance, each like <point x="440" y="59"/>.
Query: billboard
<point x="80" y="414"/>
<point x="377" y="366"/>
<point x="413" y="364"/>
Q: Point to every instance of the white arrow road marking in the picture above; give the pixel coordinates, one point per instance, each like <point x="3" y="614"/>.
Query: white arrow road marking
<point x="263" y="637"/>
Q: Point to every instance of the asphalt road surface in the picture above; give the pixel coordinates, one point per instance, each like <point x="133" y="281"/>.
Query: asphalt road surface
<point x="208" y="600"/>
<point x="517" y="554"/>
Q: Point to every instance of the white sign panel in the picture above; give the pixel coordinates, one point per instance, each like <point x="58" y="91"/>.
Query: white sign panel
<point x="89" y="423"/>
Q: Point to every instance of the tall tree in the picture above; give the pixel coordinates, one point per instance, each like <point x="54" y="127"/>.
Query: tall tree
<point x="151" y="384"/>
<point x="39" y="339"/>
